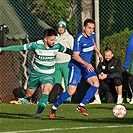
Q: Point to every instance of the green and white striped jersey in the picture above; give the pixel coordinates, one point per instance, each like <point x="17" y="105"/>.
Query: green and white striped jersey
<point x="44" y="56"/>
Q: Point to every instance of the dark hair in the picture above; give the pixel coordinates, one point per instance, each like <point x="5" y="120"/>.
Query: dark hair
<point x="89" y="21"/>
<point x="50" y="32"/>
<point x="108" y="49"/>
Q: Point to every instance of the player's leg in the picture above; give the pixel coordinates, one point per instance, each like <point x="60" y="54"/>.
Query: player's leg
<point x="92" y="79"/>
<point x="97" y="98"/>
<point x="65" y="71"/>
<point x="32" y="85"/>
<point x="118" y="87"/>
<point x="61" y="99"/>
<point x="130" y="82"/>
<point x="29" y="93"/>
<point x="47" y="82"/>
<point x="119" y="93"/>
<point x="74" y="78"/>
<point x="65" y="95"/>
<point x="105" y="87"/>
<point x="46" y="89"/>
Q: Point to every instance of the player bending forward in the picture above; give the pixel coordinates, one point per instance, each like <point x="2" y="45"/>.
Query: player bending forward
<point x="43" y="68"/>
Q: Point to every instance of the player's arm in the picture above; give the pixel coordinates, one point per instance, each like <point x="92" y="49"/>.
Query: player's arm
<point x="76" y="56"/>
<point x="29" y="46"/>
<point x="65" y="49"/>
<point x="12" y="48"/>
<point x="68" y="51"/>
<point x="98" y="52"/>
<point x="129" y="51"/>
<point x="99" y="68"/>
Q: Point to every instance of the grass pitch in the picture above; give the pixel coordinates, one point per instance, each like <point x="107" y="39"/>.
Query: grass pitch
<point x="15" y="118"/>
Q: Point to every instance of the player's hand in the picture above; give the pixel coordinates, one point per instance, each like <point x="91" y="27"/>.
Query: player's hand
<point x="0" y="50"/>
<point x="100" y="57"/>
<point x="102" y="76"/>
<point x="90" y="67"/>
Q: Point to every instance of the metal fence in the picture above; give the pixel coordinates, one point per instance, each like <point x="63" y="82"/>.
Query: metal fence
<point x="26" y="20"/>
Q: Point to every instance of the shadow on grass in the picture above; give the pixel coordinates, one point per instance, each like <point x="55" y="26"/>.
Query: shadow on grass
<point x="70" y="117"/>
<point x="108" y="108"/>
<point x="110" y="121"/>
<point x="113" y="121"/>
<point x="15" y="116"/>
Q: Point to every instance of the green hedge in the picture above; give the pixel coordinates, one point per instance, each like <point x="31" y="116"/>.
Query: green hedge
<point x="118" y="43"/>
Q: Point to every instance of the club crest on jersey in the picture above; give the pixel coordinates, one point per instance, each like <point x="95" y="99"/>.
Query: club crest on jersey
<point x="103" y="67"/>
<point x="84" y="44"/>
<point x="74" y="82"/>
<point x="112" y="67"/>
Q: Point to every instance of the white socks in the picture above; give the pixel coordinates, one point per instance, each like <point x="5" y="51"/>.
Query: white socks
<point x="81" y="104"/>
<point x="119" y="97"/>
<point x="97" y="97"/>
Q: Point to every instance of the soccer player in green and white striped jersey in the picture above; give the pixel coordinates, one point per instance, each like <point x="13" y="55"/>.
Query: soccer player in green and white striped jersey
<point x="43" y="67"/>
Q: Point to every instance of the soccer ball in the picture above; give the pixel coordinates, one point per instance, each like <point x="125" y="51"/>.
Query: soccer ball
<point x="119" y="111"/>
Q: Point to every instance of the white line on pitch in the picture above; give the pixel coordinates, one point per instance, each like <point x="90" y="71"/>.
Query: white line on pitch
<point x="59" y="129"/>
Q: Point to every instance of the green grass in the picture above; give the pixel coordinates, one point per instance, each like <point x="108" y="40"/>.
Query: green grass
<point x="19" y="118"/>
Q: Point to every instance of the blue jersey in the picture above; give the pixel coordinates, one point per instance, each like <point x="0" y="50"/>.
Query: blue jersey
<point x="85" y="46"/>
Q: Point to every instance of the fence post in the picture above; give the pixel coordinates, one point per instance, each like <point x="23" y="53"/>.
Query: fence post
<point x="97" y="27"/>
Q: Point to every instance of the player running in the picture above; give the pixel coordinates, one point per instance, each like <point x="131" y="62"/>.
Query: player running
<point x="43" y="68"/>
<point x="80" y="66"/>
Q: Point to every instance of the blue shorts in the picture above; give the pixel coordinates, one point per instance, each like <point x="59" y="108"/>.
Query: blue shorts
<point x="78" y="72"/>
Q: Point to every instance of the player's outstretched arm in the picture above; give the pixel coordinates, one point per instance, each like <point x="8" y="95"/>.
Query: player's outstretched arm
<point x="12" y="48"/>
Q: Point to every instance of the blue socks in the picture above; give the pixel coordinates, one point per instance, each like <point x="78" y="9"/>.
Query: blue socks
<point x="61" y="99"/>
<point x="89" y="95"/>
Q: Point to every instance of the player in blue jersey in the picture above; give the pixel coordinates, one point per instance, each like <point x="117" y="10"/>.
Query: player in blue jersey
<point x="80" y="66"/>
<point x="43" y="67"/>
<point x="129" y="51"/>
<point x="127" y="64"/>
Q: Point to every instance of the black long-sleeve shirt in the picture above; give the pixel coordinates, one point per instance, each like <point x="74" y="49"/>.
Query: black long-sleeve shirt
<point x="112" y="68"/>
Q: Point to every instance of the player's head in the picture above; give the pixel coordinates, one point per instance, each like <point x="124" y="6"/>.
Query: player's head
<point x="61" y="27"/>
<point x="108" y="54"/>
<point x="88" y="28"/>
<point x="50" y="37"/>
